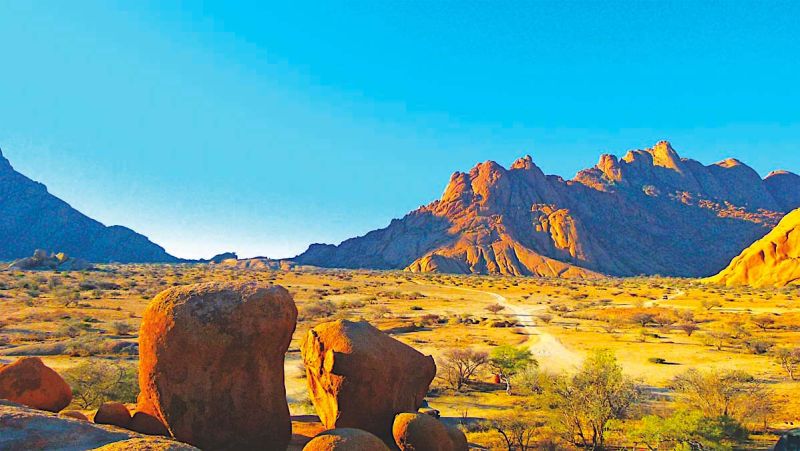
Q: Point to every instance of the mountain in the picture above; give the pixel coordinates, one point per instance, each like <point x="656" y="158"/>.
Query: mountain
<point x="650" y="212"/>
<point x="771" y="261"/>
<point x="31" y="219"/>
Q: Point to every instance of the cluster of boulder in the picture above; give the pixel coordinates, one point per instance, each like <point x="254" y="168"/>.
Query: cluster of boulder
<point x="41" y="260"/>
<point x="211" y="375"/>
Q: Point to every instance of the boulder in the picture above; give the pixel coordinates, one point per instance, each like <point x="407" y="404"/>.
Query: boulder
<point x="74" y="414"/>
<point x="420" y="432"/>
<point x="113" y="413"/>
<point x="147" y="444"/>
<point x="30" y="382"/>
<point x="359" y="377"/>
<point x="23" y="429"/>
<point x="458" y="438"/>
<point x="346" y="440"/>
<point x="145" y="423"/>
<point x="789" y="441"/>
<point x="211" y="364"/>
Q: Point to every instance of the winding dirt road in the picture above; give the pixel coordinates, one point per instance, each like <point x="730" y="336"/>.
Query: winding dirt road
<point x="548" y="350"/>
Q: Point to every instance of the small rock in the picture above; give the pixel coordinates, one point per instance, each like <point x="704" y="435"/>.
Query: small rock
<point x="74" y="414"/>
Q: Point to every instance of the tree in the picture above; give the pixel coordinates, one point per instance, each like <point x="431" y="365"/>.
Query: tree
<point x="689" y="328"/>
<point x="709" y="304"/>
<point x="789" y="360"/>
<point x="686" y="429"/>
<point x="495" y="308"/>
<point x="459" y="365"/>
<point x="763" y="321"/>
<point x="588" y="401"/>
<point x="507" y="361"/>
<point x="95" y="382"/>
<point x="517" y="430"/>
<point x="643" y="319"/>
<point x="717" y="338"/>
<point x="733" y="394"/>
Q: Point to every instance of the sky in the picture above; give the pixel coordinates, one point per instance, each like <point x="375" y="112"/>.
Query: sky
<point x="262" y="127"/>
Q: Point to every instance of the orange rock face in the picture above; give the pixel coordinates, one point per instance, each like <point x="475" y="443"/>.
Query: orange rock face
<point x="346" y="440"/>
<point x="773" y="261"/>
<point x="416" y="431"/>
<point x="113" y="413"/>
<point x="28" y="381"/>
<point x="211" y="364"/>
<point x="359" y="377"/>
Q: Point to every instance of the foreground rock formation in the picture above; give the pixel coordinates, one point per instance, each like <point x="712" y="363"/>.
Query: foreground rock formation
<point x="211" y="364"/>
<point x="772" y="261"/>
<point x="29" y="382"/>
<point x="650" y="212"/>
<point x="359" y="377"/>
<point x="35" y="219"/>
<point x="24" y="429"/>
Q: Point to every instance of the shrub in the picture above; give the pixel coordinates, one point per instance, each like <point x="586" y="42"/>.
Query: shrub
<point x="319" y="309"/>
<point x="95" y="382"/>
<point x="657" y="360"/>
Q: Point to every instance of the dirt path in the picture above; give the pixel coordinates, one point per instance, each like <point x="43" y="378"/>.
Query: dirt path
<point x="670" y="297"/>
<point x="548" y="350"/>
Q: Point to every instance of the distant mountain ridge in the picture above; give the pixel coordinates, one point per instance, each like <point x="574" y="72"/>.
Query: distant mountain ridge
<point x="649" y="212"/>
<point x="31" y="218"/>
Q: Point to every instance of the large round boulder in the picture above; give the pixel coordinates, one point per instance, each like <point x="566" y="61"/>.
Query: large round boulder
<point x="459" y="439"/>
<point x="359" y="377"/>
<point x="346" y="440"/>
<point x="30" y="382"/>
<point x="420" y="432"/>
<point x="114" y="414"/>
<point x="211" y="364"/>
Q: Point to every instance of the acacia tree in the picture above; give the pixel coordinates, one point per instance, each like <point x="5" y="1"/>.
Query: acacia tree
<point x="789" y="360"/>
<point x="588" y="401"/>
<point x="733" y="394"/>
<point x="517" y="430"/>
<point x="763" y="322"/>
<point x="495" y="308"/>
<point x="506" y="361"/>
<point x="459" y="365"/>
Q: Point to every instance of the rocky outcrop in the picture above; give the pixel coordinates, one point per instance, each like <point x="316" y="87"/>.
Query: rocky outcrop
<point x="417" y="431"/>
<point x="359" y="377"/>
<point x="772" y="261"/>
<point x="649" y="212"/>
<point x="346" y="440"/>
<point x="211" y="364"/>
<point x="30" y="382"/>
<point x="52" y="262"/>
<point x="147" y="444"/>
<point x="34" y="219"/>
<point x="23" y="429"/>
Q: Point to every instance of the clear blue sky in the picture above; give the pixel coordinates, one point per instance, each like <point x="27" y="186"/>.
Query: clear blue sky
<point x="214" y="126"/>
